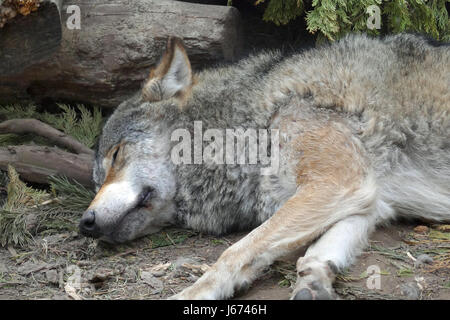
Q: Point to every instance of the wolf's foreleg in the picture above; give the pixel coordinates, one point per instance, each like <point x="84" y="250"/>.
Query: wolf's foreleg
<point x="298" y="222"/>
<point x="240" y="264"/>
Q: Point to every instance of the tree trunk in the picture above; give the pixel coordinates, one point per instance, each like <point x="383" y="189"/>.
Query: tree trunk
<point x="106" y="60"/>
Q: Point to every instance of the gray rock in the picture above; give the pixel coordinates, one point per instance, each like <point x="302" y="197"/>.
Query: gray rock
<point x="3" y="268"/>
<point x="106" y="61"/>
<point x="423" y="259"/>
<point x="99" y="276"/>
<point x="52" y="276"/>
<point x="410" y="290"/>
<point x="31" y="222"/>
<point x="130" y="274"/>
<point x="30" y="267"/>
<point x="156" y="284"/>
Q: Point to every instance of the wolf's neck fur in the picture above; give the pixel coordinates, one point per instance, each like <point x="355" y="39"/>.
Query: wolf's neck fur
<point x="225" y="198"/>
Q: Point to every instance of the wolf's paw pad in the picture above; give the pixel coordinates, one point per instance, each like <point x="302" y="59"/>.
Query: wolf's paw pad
<point x="314" y="291"/>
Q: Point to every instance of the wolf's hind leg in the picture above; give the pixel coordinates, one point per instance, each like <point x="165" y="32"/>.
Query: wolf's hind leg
<point x="333" y="251"/>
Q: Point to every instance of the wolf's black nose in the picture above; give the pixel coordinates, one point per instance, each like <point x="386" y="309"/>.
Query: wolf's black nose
<point x="88" y="226"/>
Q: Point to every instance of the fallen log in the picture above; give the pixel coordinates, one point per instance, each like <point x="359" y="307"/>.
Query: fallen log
<point x="106" y="60"/>
<point x="37" y="163"/>
<point x="23" y="126"/>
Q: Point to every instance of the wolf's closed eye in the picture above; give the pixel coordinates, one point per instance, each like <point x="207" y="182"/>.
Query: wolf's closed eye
<point x="114" y="156"/>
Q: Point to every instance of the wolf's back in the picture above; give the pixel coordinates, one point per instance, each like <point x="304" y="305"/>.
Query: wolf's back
<point x="392" y="92"/>
<point x="395" y="91"/>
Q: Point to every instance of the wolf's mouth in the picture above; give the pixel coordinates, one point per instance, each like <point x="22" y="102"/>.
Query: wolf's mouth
<point x="144" y="201"/>
<point x="145" y="197"/>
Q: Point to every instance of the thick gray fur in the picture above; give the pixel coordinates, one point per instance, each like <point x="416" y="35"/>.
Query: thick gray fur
<point x="395" y="101"/>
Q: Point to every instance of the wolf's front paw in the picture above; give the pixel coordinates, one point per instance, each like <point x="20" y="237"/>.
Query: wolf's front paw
<point x="315" y="280"/>
<point x="315" y="291"/>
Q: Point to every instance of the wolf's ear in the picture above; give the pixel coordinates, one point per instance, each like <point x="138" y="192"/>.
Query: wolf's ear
<point x="172" y="76"/>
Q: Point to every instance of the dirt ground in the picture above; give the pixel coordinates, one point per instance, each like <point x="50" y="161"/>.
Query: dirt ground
<point x="412" y="261"/>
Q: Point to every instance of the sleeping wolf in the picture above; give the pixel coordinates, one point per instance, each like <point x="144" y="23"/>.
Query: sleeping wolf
<point x="363" y="137"/>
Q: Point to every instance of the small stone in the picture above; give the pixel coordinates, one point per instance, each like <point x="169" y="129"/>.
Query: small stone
<point x="410" y="290"/>
<point x="83" y="263"/>
<point x="304" y="294"/>
<point x="52" y="276"/>
<point x="421" y="229"/>
<point x="30" y="267"/>
<point x="130" y="274"/>
<point x="3" y="268"/>
<point x="31" y="222"/>
<point x="425" y="258"/>
<point x="99" y="277"/>
<point x="159" y="273"/>
<point x="148" y="278"/>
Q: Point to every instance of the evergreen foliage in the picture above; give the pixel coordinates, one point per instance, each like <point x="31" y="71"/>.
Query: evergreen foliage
<point x="28" y="210"/>
<point x="80" y="123"/>
<point x="332" y="19"/>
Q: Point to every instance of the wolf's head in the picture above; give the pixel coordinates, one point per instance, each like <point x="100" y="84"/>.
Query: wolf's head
<point x="133" y="172"/>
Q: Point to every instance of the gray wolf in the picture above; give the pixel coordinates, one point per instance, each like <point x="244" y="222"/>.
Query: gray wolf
<point x="364" y="138"/>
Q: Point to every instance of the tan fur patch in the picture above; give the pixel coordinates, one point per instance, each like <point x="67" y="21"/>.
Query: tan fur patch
<point x="329" y="156"/>
<point x="113" y="172"/>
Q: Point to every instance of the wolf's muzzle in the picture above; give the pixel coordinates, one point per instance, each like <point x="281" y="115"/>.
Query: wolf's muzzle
<point x="87" y="225"/>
